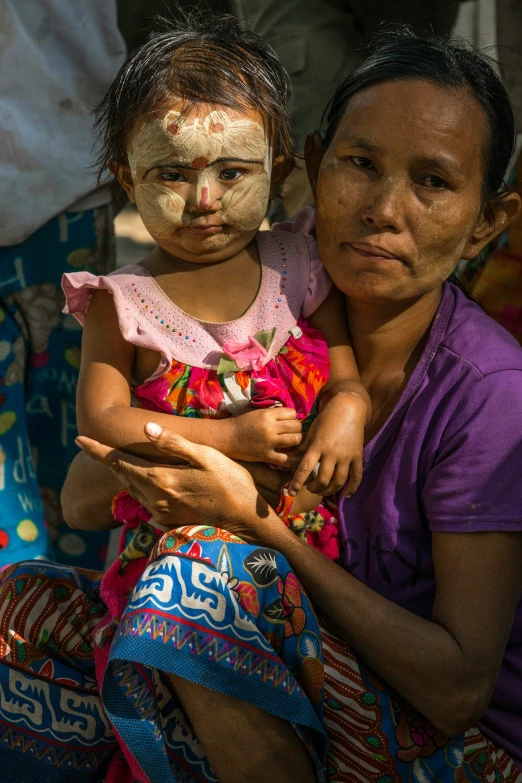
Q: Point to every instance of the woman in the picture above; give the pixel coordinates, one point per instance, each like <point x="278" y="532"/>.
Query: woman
<point x="408" y="180"/>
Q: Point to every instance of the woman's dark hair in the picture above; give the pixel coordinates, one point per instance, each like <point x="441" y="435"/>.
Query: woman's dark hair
<point x="401" y="55"/>
<point x="203" y="57"/>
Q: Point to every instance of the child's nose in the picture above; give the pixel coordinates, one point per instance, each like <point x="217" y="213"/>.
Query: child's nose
<point x="206" y="197"/>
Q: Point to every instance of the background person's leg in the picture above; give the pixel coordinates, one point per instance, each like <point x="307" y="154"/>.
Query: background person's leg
<point x="22" y="529"/>
<point x="30" y="285"/>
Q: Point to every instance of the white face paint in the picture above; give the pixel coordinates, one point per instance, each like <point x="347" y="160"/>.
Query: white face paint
<point x="200" y="149"/>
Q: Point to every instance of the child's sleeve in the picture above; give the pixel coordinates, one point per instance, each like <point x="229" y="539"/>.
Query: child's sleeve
<point x="79" y="288"/>
<point x="319" y="284"/>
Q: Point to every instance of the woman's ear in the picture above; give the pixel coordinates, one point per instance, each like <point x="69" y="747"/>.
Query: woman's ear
<point x="281" y="169"/>
<point x="314" y="151"/>
<point x="122" y="173"/>
<point x="493" y="220"/>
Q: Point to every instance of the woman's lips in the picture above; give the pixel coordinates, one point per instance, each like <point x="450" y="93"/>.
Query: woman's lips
<point x="374" y="251"/>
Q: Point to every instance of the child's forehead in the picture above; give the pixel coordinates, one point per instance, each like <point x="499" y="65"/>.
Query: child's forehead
<point x="176" y="116"/>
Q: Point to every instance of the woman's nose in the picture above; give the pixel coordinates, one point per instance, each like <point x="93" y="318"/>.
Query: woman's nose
<point x="386" y="205"/>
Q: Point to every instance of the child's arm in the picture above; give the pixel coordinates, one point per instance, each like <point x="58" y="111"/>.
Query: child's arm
<point x="104" y="403"/>
<point x="336" y="437"/>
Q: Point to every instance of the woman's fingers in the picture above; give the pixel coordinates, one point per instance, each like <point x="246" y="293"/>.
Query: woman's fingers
<point x="118" y="461"/>
<point x="176" y="446"/>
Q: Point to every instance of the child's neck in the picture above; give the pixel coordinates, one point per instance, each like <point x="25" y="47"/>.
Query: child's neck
<point x="217" y="292"/>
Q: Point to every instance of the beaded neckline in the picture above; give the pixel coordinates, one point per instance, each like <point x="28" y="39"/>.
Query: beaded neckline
<point x="169" y="324"/>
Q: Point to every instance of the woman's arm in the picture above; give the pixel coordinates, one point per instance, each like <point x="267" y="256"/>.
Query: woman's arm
<point x="104" y="403"/>
<point x="90" y="487"/>
<point x="446" y="667"/>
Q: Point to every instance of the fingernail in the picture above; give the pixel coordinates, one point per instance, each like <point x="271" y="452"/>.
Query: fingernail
<point x="77" y="441"/>
<point x="154" y="430"/>
<point x="292" y="492"/>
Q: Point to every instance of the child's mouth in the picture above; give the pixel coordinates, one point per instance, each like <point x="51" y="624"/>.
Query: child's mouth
<point x="204" y="230"/>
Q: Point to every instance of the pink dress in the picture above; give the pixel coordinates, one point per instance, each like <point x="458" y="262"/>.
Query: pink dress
<point x="270" y="356"/>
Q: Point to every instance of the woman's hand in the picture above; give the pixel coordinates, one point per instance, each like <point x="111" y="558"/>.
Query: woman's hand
<point x="206" y="488"/>
<point x="335" y="441"/>
<point x="269" y="482"/>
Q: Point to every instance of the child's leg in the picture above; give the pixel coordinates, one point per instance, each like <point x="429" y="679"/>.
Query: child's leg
<point x="276" y="753"/>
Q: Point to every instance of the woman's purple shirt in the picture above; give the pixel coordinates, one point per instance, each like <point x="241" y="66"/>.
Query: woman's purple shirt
<point x="448" y="459"/>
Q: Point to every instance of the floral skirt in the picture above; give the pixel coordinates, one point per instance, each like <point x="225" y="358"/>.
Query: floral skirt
<point x="214" y="610"/>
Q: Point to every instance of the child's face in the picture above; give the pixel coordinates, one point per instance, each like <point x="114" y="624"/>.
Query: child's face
<point x="200" y="180"/>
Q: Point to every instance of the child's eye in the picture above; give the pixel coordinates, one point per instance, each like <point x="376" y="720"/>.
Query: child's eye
<point x="361" y="162"/>
<point x="231" y="174"/>
<point x="172" y="176"/>
<point x="432" y="181"/>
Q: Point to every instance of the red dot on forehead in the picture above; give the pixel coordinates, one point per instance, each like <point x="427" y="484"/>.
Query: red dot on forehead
<point x="173" y="128"/>
<point x="217" y="127"/>
<point x="200" y="163"/>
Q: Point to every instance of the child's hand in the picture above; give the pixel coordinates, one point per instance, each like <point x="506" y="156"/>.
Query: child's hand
<point x="336" y="440"/>
<point x="259" y="436"/>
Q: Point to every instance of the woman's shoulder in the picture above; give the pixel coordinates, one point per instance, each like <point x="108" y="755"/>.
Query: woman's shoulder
<point x="480" y="344"/>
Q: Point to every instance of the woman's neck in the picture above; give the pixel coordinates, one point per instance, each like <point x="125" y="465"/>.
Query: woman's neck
<point x="388" y="340"/>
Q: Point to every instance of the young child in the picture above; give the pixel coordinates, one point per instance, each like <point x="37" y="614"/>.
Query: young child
<point x="229" y="335"/>
<point x="233" y="330"/>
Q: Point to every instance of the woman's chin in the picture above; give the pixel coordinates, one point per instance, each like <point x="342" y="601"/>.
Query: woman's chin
<point x="367" y="286"/>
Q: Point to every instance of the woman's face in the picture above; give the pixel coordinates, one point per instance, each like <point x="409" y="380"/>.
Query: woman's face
<point x="399" y="189"/>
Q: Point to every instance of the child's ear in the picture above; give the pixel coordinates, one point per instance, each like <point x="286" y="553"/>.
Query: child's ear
<point x="313" y="151"/>
<point x="281" y="168"/>
<point x="494" y="219"/>
<point x="122" y="173"/>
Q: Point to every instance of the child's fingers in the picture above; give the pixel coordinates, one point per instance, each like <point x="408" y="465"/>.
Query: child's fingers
<point x="289" y="440"/>
<point x="289" y="425"/>
<point x="326" y="469"/>
<point x="355" y="477"/>
<point x="338" y="479"/>
<point x="305" y="467"/>
<point x="294" y="457"/>
<point x="285" y="413"/>
<point x="277" y="458"/>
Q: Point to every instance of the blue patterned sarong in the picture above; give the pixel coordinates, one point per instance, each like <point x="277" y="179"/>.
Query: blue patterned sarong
<point x="213" y="610"/>
<point x="216" y="611"/>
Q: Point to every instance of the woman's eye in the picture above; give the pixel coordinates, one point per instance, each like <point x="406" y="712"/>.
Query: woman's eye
<point x="172" y="176"/>
<point x="361" y="162"/>
<point x="435" y="182"/>
<point x="231" y="174"/>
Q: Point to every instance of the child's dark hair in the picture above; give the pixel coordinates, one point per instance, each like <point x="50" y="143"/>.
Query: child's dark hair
<point x="204" y="57"/>
<point x="401" y="55"/>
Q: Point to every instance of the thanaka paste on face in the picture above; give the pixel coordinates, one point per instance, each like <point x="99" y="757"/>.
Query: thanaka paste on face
<point x="197" y="143"/>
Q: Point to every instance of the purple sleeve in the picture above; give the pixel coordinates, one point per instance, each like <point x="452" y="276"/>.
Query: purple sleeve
<point x="475" y="482"/>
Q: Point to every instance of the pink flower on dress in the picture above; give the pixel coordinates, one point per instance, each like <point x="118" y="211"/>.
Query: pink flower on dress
<point x="268" y="391"/>
<point x="151" y="395"/>
<point x="126" y="509"/>
<point x="247" y="354"/>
